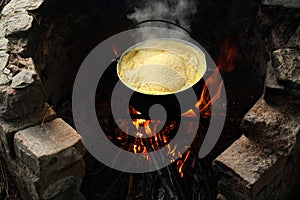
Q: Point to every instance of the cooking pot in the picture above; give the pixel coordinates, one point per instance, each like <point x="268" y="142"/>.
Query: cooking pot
<point x="158" y="70"/>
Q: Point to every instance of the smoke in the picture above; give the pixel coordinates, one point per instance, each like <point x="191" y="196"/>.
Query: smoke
<point x="176" y="11"/>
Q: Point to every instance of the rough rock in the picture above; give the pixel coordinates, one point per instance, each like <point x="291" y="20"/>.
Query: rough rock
<point x="274" y="92"/>
<point x="9" y="128"/>
<point x="19" y="46"/>
<point x="284" y="3"/>
<point x="287" y="64"/>
<point x="277" y="24"/>
<point x="6" y="71"/>
<point x="47" y="148"/>
<point x="3" y="44"/>
<point x="15" y="103"/>
<point x="246" y="168"/>
<point x="281" y="185"/>
<point x="15" y="23"/>
<point x="24" y="179"/>
<point x="21" y="5"/>
<point x="57" y="183"/>
<point x="3" y="3"/>
<point x="276" y="127"/>
<point x="3" y="60"/>
<point x="23" y="79"/>
<point x="33" y="187"/>
<point x="282" y="90"/>
<point x="5" y="79"/>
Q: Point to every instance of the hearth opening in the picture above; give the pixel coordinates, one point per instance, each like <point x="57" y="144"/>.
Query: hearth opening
<point x="67" y="31"/>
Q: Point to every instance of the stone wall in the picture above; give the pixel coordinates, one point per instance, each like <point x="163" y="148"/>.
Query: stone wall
<point x="263" y="162"/>
<point x="44" y="154"/>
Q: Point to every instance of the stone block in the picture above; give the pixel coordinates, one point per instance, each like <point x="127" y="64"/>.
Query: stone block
<point x="276" y="94"/>
<point x="277" y="24"/>
<point x="276" y="127"/>
<point x="62" y="180"/>
<point x="9" y="128"/>
<point x="24" y="179"/>
<point x="245" y="168"/>
<point x="281" y="185"/>
<point x="33" y="187"/>
<point x="287" y="64"/>
<point x="281" y="86"/>
<point x="47" y="148"/>
<point x="15" y="103"/>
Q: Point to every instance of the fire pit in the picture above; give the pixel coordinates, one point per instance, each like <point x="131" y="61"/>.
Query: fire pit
<point x="41" y="53"/>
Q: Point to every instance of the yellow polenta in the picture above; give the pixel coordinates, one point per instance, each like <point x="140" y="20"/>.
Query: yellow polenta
<point x="161" y="66"/>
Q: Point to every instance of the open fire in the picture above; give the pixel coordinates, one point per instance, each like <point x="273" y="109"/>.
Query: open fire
<point x="149" y="134"/>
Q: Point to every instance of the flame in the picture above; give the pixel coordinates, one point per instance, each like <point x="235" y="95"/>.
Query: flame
<point x="171" y="151"/>
<point x="229" y="52"/>
<point x="132" y="110"/>
<point x="190" y="113"/>
<point x="181" y="163"/>
<point x="115" y="51"/>
<point x="141" y="122"/>
<point x="135" y="148"/>
<point x="205" y="100"/>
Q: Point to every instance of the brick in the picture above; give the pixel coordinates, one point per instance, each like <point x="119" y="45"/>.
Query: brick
<point x="48" y="148"/>
<point x="9" y="128"/>
<point x="274" y="126"/>
<point x="282" y="184"/>
<point x="245" y="168"/>
<point x="31" y="186"/>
